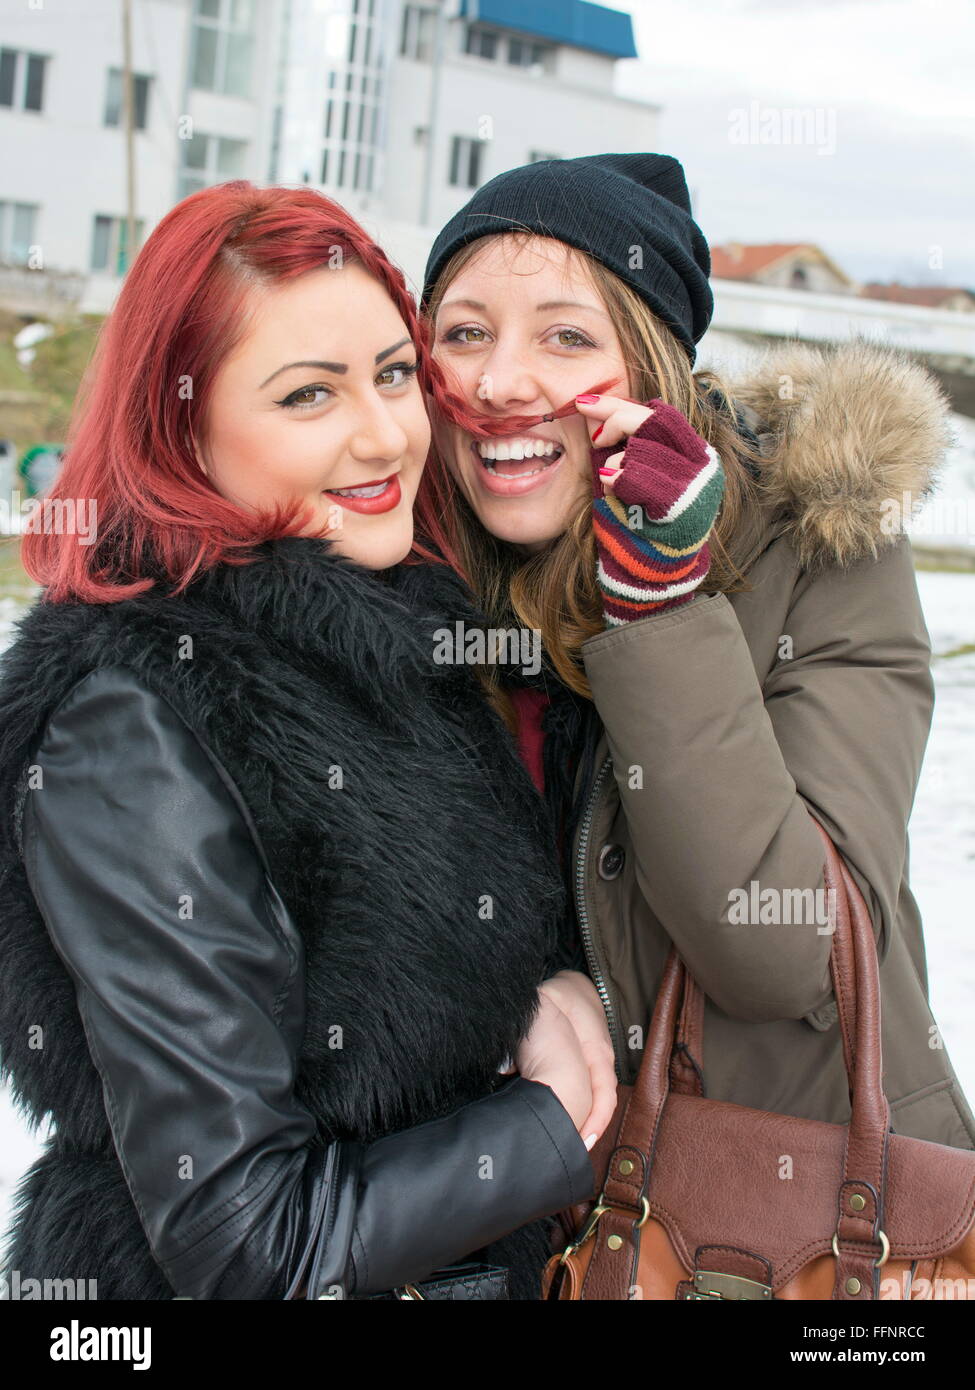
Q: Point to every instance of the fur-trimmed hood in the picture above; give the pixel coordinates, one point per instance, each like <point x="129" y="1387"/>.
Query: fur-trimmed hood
<point x="847" y="429"/>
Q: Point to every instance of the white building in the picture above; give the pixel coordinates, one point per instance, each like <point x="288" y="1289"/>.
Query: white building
<point x="340" y="94"/>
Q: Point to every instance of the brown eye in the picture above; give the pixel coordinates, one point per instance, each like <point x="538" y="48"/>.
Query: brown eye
<point x="580" y="339"/>
<point x="305" y="398"/>
<point x="403" y="371"/>
<point x="452" y="336"/>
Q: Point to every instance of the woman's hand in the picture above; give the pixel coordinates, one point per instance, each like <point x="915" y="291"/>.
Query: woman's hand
<point x="551" y="1052"/>
<point x="577" y="998"/>
<point x="662" y="494"/>
<point x="612" y="420"/>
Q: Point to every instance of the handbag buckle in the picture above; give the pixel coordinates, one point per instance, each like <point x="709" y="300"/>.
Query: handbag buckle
<point x="734" y="1288"/>
<point x="586" y="1231"/>
<point x="599" y="1210"/>
<point x="884" y="1248"/>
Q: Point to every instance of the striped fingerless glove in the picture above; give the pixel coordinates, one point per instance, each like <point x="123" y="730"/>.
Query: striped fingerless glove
<point x="651" y="531"/>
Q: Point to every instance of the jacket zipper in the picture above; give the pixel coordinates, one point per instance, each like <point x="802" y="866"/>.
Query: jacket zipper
<point x="584" y="924"/>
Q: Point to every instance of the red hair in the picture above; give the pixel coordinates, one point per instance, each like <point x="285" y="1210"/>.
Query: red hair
<point x="143" y="399"/>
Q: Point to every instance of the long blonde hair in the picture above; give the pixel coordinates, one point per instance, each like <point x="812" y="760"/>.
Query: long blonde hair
<point x="555" y="590"/>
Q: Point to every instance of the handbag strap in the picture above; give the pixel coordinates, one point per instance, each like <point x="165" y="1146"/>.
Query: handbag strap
<point x="862" y="1193"/>
<point x="859" y="1236"/>
<point x="687" y="1059"/>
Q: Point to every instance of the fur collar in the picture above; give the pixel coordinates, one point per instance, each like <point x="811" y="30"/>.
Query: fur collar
<point x="432" y="856"/>
<point x="845" y="427"/>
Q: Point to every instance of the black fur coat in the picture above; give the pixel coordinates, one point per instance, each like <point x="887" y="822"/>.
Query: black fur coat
<point x="424" y="887"/>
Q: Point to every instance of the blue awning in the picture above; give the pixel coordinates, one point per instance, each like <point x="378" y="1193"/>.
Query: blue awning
<point x="575" y="22"/>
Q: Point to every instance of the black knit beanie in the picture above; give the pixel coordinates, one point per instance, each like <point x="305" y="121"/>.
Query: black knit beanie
<point x="631" y="212"/>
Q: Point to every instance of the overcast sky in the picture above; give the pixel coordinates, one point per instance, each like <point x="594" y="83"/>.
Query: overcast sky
<point x="888" y="85"/>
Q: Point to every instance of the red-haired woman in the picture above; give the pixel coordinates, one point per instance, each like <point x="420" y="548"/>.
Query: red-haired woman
<point x="275" y="892"/>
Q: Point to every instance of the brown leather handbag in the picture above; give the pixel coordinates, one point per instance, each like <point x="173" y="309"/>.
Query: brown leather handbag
<point x="705" y="1199"/>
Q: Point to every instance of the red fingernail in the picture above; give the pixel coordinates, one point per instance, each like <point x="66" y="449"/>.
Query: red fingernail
<point x="607" y="472"/>
<point x="598" y="432"/>
<point x="587" y="400"/>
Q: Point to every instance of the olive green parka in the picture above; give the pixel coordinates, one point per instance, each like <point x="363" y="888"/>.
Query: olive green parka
<point x="730" y="721"/>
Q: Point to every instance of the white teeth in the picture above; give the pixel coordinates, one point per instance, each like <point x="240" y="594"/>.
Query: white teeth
<point x="530" y="474"/>
<point x="360" y="491"/>
<point x="517" y="448"/>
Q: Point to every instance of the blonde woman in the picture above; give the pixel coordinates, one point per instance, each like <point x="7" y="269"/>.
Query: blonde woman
<point x="732" y="628"/>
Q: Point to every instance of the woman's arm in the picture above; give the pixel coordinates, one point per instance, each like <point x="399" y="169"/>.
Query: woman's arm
<point x="732" y="770"/>
<point x="190" y="982"/>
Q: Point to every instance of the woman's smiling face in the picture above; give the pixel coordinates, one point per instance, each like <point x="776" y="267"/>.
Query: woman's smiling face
<point x="320" y="401"/>
<point x="521" y="330"/>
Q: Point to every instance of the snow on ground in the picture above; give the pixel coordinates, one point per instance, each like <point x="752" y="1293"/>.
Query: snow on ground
<point x="942" y="828"/>
<point x="942" y="838"/>
<point x="10" y="611"/>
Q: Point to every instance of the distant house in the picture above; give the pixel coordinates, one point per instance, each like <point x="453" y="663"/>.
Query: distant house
<point x="795" y="266"/>
<point x="926" y="296"/>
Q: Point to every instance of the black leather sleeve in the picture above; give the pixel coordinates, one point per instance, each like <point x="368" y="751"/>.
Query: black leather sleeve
<point x="189" y="975"/>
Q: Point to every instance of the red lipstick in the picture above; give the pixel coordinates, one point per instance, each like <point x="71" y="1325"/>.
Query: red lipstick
<point x="358" y="499"/>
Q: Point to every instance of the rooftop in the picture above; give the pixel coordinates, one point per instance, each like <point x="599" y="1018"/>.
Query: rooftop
<point x="574" y="22"/>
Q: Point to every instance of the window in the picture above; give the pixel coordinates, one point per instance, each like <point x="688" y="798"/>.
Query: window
<point x="481" y="42"/>
<point x="209" y="159"/>
<point x="223" y="46"/>
<point x="465" y="161"/>
<point x="34" y="90"/>
<point x="17" y="231"/>
<point x="113" y="98"/>
<point x="22" y="80"/>
<point x="524" y="54"/>
<point x="108" y="247"/>
<point x="8" y="74"/>
<point x="418" y="33"/>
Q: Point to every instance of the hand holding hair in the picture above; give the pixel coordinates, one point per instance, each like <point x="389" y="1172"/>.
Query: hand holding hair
<point x="659" y="507"/>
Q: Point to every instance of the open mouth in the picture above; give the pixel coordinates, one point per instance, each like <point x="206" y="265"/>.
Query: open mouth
<point x="368" y="490"/>
<point x="511" y="467"/>
<point x="515" y="460"/>
<point x="379" y="496"/>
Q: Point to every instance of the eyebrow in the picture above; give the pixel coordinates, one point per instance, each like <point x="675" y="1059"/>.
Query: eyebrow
<point x="539" y="308"/>
<point x="338" y="367"/>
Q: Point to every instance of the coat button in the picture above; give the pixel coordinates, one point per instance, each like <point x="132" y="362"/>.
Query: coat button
<point x="611" y="859"/>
